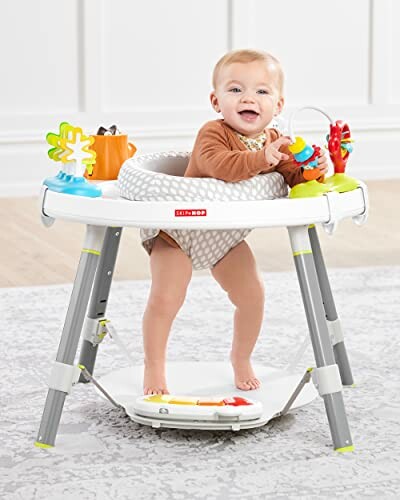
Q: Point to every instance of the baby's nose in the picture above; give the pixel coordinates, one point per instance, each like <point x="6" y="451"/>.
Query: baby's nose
<point x="247" y="97"/>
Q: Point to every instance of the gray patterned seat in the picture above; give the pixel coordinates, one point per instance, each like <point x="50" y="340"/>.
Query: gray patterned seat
<point x="159" y="177"/>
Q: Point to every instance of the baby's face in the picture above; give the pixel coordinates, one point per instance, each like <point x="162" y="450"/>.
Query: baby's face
<point x="248" y="96"/>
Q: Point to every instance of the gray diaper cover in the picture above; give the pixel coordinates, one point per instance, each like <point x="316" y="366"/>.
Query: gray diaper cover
<point x="205" y="248"/>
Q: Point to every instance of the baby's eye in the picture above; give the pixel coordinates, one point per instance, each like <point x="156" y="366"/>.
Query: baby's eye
<point x="235" y="90"/>
<point x="262" y="91"/>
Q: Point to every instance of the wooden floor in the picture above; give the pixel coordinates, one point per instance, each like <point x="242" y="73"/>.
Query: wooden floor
<point x="34" y="255"/>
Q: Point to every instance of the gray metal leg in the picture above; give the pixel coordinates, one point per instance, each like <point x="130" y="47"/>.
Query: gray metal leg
<point x="339" y="348"/>
<point x="99" y="298"/>
<point x="320" y="339"/>
<point x="71" y="332"/>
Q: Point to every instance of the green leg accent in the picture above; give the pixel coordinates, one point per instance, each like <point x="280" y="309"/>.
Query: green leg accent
<point x="346" y="449"/>
<point x="42" y="445"/>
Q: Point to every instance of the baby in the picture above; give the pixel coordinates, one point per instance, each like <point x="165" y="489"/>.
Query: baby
<point x="247" y="91"/>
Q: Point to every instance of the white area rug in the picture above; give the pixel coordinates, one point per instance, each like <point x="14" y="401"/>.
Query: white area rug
<point x="101" y="454"/>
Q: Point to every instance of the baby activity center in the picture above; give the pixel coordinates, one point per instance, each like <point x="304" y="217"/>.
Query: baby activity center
<point x="106" y="185"/>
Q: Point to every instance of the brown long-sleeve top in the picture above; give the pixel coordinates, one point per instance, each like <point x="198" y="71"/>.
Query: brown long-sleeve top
<point x="218" y="152"/>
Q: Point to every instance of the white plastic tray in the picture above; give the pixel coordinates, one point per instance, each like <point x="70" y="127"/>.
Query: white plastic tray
<point x="111" y="210"/>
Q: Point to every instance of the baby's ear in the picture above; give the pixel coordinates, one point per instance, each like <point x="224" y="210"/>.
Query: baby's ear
<point x="279" y="106"/>
<point x="214" y="102"/>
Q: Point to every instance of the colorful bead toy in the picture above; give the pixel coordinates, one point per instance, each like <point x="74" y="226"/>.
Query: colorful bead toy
<point x="306" y="157"/>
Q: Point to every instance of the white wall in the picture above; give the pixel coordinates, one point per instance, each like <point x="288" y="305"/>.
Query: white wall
<point x="147" y="66"/>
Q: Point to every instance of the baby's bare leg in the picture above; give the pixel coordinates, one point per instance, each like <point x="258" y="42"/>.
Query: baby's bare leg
<point x="171" y="271"/>
<point x="238" y="275"/>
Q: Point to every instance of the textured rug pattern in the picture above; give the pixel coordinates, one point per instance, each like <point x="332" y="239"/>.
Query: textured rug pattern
<point x="100" y="453"/>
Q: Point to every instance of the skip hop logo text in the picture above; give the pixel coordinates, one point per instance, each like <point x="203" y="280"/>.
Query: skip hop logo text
<point x="191" y="212"/>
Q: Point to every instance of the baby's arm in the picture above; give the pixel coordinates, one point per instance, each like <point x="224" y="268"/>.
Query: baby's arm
<point x="214" y="156"/>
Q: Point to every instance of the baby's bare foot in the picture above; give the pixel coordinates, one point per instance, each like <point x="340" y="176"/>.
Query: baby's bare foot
<point x="245" y="378"/>
<point x="154" y="381"/>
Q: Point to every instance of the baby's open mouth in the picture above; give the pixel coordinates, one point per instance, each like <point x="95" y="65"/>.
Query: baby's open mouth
<point x="248" y="114"/>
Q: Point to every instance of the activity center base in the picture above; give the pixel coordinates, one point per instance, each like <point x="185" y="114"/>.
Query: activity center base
<point x="209" y="379"/>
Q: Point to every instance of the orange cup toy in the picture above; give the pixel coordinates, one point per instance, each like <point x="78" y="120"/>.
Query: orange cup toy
<point x="111" y="152"/>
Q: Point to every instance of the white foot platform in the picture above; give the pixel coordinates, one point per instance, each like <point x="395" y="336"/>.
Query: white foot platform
<point x="206" y="379"/>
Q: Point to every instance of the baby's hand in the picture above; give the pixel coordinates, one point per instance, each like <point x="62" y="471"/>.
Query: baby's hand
<point x="272" y="154"/>
<point x="323" y="163"/>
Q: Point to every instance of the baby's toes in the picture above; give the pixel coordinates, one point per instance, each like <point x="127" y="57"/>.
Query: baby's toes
<point x="252" y="384"/>
<point x="150" y="391"/>
<point x="243" y="386"/>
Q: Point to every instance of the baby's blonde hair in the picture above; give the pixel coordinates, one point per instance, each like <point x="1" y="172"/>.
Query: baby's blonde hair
<point x="247" y="56"/>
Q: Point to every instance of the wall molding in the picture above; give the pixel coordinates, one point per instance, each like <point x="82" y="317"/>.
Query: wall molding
<point x="360" y="119"/>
